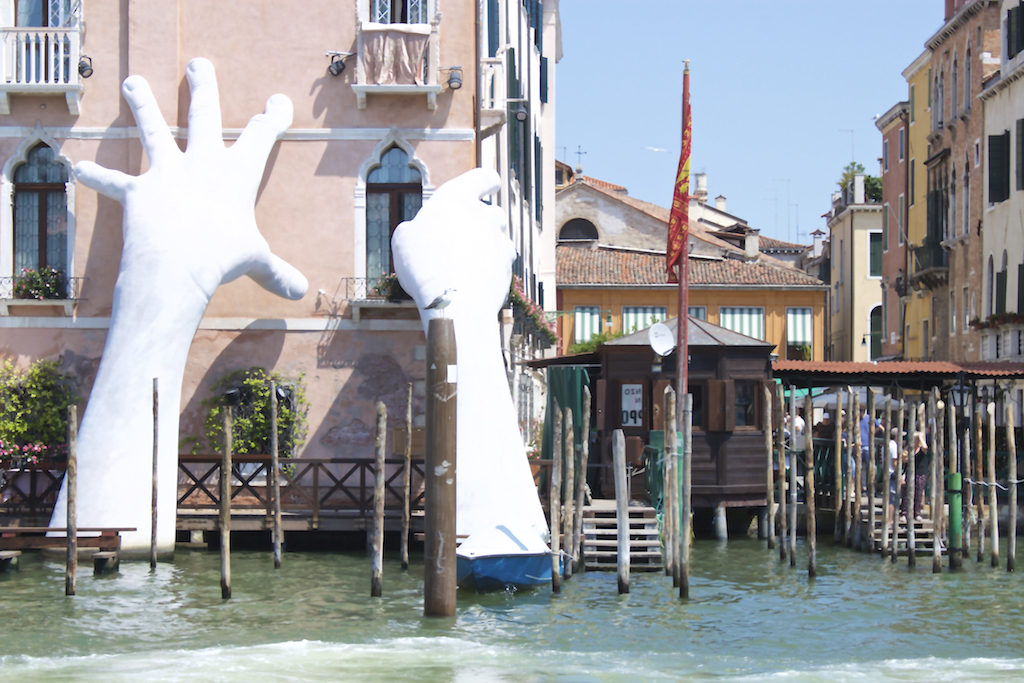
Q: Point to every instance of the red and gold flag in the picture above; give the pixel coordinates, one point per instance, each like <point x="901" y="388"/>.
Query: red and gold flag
<point x="679" y="218"/>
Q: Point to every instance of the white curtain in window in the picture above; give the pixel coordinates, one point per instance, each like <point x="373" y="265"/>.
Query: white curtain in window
<point x="748" y="320"/>
<point x="393" y="53"/>
<point x="699" y="312"/>
<point x="798" y="326"/>
<point x="635" y="318"/>
<point x="586" y="323"/>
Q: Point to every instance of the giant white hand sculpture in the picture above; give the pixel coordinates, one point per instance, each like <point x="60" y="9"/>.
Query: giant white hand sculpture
<point x="189" y="226"/>
<point x="457" y="243"/>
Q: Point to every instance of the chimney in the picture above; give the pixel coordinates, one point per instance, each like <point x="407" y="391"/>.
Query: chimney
<point x="720" y="203"/>
<point x="751" y="243"/>
<point x="858" y="188"/>
<point x="819" y="241"/>
<point x="700" y="191"/>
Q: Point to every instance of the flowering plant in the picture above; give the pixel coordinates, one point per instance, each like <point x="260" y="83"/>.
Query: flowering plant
<point x="29" y="454"/>
<point x="998" y="320"/>
<point x="45" y="283"/>
<point x="517" y="294"/>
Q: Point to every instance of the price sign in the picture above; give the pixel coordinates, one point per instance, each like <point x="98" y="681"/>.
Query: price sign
<point x="632" y="405"/>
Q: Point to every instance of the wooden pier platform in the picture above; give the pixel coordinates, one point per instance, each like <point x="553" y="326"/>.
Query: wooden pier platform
<point x="600" y="537"/>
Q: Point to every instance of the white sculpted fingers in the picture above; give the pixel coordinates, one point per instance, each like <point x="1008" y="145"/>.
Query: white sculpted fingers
<point x="476" y="183"/>
<point x="108" y="182"/>
<point x="279" y="277"/>
<point x="156" y="137"/>
<point x="254" y="144"/>
<point x="204" y="120"/>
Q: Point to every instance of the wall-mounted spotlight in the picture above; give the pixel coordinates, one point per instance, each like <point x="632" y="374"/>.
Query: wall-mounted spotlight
<point x="85" y="66"/>
<point x="454" y="77"/>
<point x="337" y="64"/>
<point x="517" y="107"/>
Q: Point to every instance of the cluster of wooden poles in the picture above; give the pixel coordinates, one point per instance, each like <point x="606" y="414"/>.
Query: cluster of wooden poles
<point x="951" y="446"/>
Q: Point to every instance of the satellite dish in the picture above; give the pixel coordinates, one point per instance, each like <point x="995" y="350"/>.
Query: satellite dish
<point x="661" y="338"/>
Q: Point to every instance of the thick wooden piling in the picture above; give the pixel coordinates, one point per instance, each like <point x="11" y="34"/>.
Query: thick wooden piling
<point x="225" y="507"/>
<point x="888" y="466"/>
<point x="901" y="446"/>
<point x="406" y="481"/>
<point x="793" y="461"/>
<point x="685" y="498"/>
<point x="71" y="479"/>
<point x="967" y="466"/>
<point x="621" y="508"/>
<point x="153" y="490"/>
<point x="812" y="525"/>
<point x="555" y="502"/>
<point x="581" y="482"/>
<point x="911" y="488"/>
<point x="568" y="492"/>
<point x="858" y="474"/>
<point x="377" y="560"/>
<point x="1011" y="463"/>
<point x="837" y="467"/>
<point x="770" y="488"/>
<point x="956" y="533"/>
<point x="439" y="571"/>
<point x="275" y="478"/>
<point x="852" y="428"/>
<point x="979" y="478"/>
<point x="993" y="506"/>
<point x="780" y="445"/>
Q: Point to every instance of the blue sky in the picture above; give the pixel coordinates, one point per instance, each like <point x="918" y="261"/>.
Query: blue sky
<point x="782" y="93"/>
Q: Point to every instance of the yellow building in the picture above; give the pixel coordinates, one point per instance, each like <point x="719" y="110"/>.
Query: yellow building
<point x="916" y="303"/>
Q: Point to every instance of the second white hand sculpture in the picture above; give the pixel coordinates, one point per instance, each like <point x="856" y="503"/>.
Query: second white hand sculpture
<point x="189" y="226"/>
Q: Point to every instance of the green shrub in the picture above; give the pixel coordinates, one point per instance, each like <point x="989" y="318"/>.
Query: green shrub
<point x="34" y="410"/>
<point x="45" y="283"/>
<point x="250" y="430"/>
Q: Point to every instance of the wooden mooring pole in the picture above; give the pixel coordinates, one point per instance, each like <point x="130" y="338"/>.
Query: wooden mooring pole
<point x="670" y="490"/>
<point x="439" y="572"/>
<point x="867" y="538"/>
<point x="770" y="488"/>
<point x="993" y="512"/>
<point x="621" y="508"/>
<point x="568" y="492"/>
<point x="581" y="482"/>
<point x="1011" y="462"/>
<point x="956" y="528"/>
<point x="780" y="445"/>
<point x="71" y="476"/>
<point x="888" y="468"/>
<point x="793" y="467"/>
<point x="153" y="490"/>
<point x="935" y="407"/>
<point x="406" y="481"/>
<point x="911" y="488"/>
<point x="852" y="428"/>
<point x="555" y="501"/>
<point x="377" y="561"/>
<point x="837" y="466"/>
<point x="275" y="478"/>
<point x="686" y="501"/>
<point x="812" y="525"/>
<point x="979" y="477"/>
<point x="225" y="507"/>
<point x="853" y="540"/>
<point x="901" y="447"/>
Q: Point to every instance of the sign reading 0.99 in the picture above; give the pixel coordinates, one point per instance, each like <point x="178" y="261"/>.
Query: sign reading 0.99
<point x="632" y="405"/>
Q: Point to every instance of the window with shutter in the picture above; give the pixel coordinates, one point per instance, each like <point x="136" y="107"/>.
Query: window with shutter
<point x="1020" y="154"/>
<point x="998" y="168"/>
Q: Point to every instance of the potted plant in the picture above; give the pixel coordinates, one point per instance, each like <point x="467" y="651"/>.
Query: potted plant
<point x="44" y="283"/>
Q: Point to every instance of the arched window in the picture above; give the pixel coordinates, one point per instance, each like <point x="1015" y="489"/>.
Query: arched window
<point x="876" y="332"/>
<point x="577" y="229"/>
<point x="394" y="193"/>
<point x="967" y="79"/>
<point x="990" y="287"/>
<point x="40" y="211"/>
<point x="955" y="87"/>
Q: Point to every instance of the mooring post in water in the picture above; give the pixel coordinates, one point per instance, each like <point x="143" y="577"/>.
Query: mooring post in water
<point x="768" y="423"/>
<point x="851" y="463"/>
<point x="992" y="504"/>
<point x="621" y="508"/>
<point x="439" y="571"/>
<point x="937" y="502"/>
<point x="794" y="445"/>
<point x="867" y="539"/>
<point x="275" y="478"/>
<point x="909" y="501"/>
<point x="377" y="571"/>
<point x="568" y="491"/>
<point x="225" y="507"/>
<point x="406" y="481"/>
<point x="153" y="491"/>
<point x="901" y="447"/>
<point x="954" y="484"/>
<point x="887" y="467"/>
<point x="979" y="478"/>
<point x="837" y="466"/>
<point x="1011" y="462"/>
<point x="555" y="502"/>
<point x="853" y="540"/>
<point x="581" y="482"/>
<point x="71" y="477"/>
<point x="670" y="509"/>
<point x="686" y="498"/>
<point x="780" y="446"/>
<point x="812" y="525"/>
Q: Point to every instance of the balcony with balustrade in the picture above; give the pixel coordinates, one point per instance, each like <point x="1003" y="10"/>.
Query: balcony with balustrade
<point x="41" y="61"/>
<point x="931" y="265"/>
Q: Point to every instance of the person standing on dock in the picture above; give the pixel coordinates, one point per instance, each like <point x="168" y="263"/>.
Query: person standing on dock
<point x="920" y="478"/>
<point x="893" y="452"/>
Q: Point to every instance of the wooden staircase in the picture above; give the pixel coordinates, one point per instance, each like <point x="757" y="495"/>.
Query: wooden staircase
<point x="601" y="538"/>
<point x="924" y="530"/>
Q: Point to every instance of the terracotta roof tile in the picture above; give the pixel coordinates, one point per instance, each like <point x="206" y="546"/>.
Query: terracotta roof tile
<point x="927" y="370"/>
<point x="614" y="266"/>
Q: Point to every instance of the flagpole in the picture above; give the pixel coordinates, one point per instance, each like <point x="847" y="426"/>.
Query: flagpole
<point x="683" y="351"/>
<point x="682" y="326"/>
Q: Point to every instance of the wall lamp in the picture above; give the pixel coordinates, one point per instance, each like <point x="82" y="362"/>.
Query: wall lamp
<point x="85" y="66"/>
<point x="519" y="111"/>
<point x="337" y="65"/>
<point x="454" y="77"/>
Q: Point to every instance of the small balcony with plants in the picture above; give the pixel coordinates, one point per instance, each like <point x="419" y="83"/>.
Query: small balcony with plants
<point x="43" y="60"/>
<point x="931" y="264"/>
<point x="42" y="291"/>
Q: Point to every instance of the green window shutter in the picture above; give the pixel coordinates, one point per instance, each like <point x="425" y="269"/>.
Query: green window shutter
<point x="1001" y="292"/>
<point x="998" y="167"/>
<point x="885" y="227"/>
<point x="875" y="245"/>
<point x="493" y="28"/>
<point x="1020" y="154"/>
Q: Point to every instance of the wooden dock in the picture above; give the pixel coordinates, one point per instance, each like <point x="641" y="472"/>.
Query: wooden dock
<point x="600" y="538"/>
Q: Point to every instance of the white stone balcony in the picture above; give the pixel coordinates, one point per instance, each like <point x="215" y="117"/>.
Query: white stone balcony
<point x="397" y="59"/>
<point x="40" y="61"/>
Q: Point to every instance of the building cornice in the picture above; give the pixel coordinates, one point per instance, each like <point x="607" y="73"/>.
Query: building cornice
<point x="304" y="134"/>
<point x="1004" y="82"/>
<point x="957" y="22"/>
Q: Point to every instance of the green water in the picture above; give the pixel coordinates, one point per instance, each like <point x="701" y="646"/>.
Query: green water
<point x="749" y="617"/>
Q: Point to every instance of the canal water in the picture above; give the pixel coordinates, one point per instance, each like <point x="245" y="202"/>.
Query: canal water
<point x="750" y="617"/>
